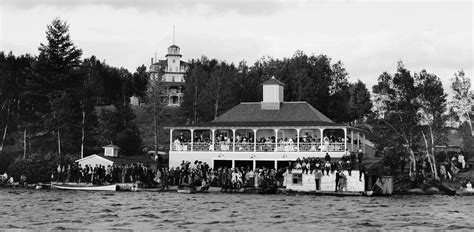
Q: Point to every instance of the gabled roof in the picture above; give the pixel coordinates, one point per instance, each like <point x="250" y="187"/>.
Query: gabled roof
<point x="129" y="159"/>
<point x="121" y="160"/>
<point x="91" y="157"/>
<point x="111" y="146"/>
<point x="165" y="63"/>
<point x="273" y="81"/>
<point x="290" y="114"/>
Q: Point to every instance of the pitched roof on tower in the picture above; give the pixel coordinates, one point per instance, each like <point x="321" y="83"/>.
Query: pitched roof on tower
<point x="273" y="81"/>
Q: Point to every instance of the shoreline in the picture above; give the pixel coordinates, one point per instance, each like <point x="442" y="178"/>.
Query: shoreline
<point x="127" y="187"/>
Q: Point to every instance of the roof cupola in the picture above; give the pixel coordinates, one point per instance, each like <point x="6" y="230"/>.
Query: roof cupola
<point x="272" y="94"/>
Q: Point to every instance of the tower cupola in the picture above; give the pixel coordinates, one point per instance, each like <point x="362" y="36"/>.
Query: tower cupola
<point x="273" y="92"/>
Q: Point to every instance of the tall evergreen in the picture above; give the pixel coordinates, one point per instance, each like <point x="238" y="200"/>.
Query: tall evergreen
<point x="55" y="84"/>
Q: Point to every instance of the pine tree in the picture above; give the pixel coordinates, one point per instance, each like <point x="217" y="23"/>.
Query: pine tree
<point x="55" y="83"/>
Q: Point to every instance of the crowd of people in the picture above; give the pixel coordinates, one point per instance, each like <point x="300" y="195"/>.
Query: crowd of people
<point x="222" y="142"/>
<point x="7" y="180"/>
<point x="199" y="173"/>
<point x="99" y="174"/>
<point x="318" y="168"/>
<point x="448" y="166"/>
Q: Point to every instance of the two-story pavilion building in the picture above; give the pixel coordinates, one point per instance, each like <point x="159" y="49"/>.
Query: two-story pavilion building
<point x="263" y="134"/>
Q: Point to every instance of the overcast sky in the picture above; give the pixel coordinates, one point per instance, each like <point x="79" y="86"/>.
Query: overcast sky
<point x="368" y="37"/>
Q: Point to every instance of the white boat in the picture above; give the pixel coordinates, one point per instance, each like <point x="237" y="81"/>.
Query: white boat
<point x="186" y="189"/>
<point x="112" y="187"/>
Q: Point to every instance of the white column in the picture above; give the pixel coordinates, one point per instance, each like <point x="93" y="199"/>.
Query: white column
<point x="213" y="139"/>
<point x="233" y="140"/>
<point x="322" y="138"/>
<point x="171" y="140"/>
<point x="363" y="143"/>
<point x="254" y="164"/>
<point x="345" y="139"/>
<point x="298" y="139"/>
<point x="276" y="164"/>
<point x="352" y="140"/>
<point x="276" y="140"/>
<point x="192" y="138"/>
<point x="254" y="140"/>
<point x="358" y="141"/>
<point x="233" y="163"/>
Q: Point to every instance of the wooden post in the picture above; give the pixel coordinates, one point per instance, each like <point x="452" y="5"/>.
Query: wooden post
<point x="233" y="141"/>
<point x="171" y="141"/>
<point x="254" y="140"/>
<point x="213" y="139"/>
<point x="192" y="139"/>
<point x="345" y="139"/>
<point x="276" y="140"/>
<point x="298" y="139"/>
<point x="352" y="140"/>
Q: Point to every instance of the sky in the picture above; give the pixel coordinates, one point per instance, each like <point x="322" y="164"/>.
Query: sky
<point x="369" y="37"/>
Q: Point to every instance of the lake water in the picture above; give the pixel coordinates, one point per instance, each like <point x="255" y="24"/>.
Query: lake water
<point x="55" y="209"/>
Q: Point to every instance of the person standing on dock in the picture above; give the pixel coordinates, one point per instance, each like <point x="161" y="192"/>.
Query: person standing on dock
<point x="317" y="178"/>
<point x="337" y="178"/>
<point x="327" y="157"/>
<point x="402" y="165"/>
<point x="362" y="170"/>
<point x="327" y="166"/>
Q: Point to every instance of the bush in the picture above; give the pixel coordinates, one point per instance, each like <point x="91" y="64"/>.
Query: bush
<point x="37" y="167"/>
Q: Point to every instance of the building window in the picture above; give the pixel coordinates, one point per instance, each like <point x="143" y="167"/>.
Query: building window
<point x="173" y="60"/>
<point x="297" y="178"/>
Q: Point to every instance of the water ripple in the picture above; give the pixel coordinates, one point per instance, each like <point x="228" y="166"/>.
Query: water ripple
<point x="145" y="211"/>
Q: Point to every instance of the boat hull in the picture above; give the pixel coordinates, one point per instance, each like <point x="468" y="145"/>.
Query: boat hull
<point x="86" y="188"/>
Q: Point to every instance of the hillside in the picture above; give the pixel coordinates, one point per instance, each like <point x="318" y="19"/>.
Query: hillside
<point x="144" y="121"/>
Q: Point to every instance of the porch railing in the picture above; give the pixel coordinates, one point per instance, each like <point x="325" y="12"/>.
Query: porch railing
<point x="243" y="147"/>
<point x="260" y="147"/>
<point x="222" y="146"/>
<point x="287" y="147"/>
<point x="314" y="146"/>
<point x="265" y="147"/>
<point x="181" y="146"/>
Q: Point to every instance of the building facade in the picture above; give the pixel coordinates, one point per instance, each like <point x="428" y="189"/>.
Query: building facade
<point x="173" y="70"/>
<point x="264" y="134"/>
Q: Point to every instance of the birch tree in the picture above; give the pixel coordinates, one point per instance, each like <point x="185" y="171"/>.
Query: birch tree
<point x="432" y="105"/>
<point x="462" y="99"/>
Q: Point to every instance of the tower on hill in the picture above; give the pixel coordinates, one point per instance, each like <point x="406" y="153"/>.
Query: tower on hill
<point x="174" y="70"/>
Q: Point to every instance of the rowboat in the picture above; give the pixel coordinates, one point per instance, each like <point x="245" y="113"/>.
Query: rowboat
<point x="112" y="187"/>
<point x="446" y="189"/>
<point x="186" y="189"/>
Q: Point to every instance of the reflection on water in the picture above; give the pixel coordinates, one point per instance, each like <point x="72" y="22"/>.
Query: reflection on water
<point x="53" y="209"/>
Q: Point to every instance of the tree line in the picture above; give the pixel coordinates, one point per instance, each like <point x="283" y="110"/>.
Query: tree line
<point x="49" y="102"/>
<point x="213" y="87"/>
<point x="411" y="112"/>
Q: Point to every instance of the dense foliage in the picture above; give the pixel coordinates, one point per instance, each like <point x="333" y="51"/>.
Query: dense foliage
<point x="213" y="87"/>
<point x="49" y="103"/>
